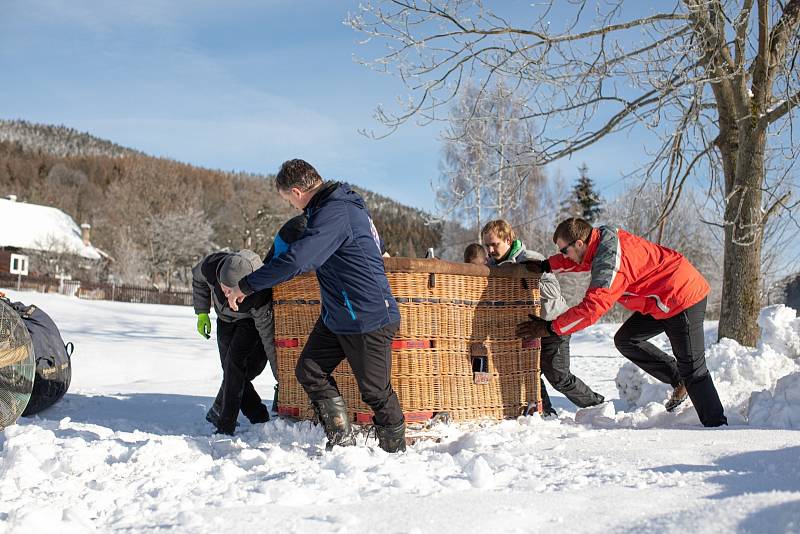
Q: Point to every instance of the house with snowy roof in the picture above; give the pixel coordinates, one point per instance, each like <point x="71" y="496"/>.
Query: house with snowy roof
<point x="50" y="237"/>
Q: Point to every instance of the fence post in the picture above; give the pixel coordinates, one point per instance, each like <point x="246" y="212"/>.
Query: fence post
<point x="113" y="291"/>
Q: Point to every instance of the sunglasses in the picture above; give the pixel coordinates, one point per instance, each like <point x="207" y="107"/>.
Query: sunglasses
<point x="563" y="250"/>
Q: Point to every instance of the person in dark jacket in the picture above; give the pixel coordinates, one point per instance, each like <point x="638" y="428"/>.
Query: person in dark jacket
<point x="503" y="247"/>
<point x="244" y="336"/>
<point x="359" y="315"/>
<point x="288" y="233"/>
<point x="291" y="231"/>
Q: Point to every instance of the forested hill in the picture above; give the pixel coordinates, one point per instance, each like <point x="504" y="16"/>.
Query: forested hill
<point x="59" y="140"/>
<point x="156" y="216"/>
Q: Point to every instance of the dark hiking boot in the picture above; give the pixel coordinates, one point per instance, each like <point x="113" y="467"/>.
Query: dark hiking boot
<point x="706" y="401"/>
<point x="212" y="416"/>
<point x="332" y="413"/>
<point x="391" y="438"/>
<point x="679" y="395"/>
<point x="260" y="415"/>
<point x="598" y="400"/>
<point x="225" y="428"/>
<point x="548" y="412"/>
<point x="275" y="400"/>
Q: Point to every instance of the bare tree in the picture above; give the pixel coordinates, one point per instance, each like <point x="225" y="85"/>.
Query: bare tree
<point x="130" y="260"/>
<point x="488" y="165"/>
<point x="711" y="80"/>
<point x="637" y="207"/>
<point x="176" y="241"/>
<point x="70" y="190"/>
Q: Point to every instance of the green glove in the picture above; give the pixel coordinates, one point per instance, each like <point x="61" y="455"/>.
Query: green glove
<point x="204" y="325"/>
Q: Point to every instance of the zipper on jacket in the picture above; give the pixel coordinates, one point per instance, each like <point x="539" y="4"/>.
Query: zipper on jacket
<point x="348" y="305"/>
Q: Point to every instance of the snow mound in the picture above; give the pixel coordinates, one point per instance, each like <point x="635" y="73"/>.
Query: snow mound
<point x="778" y="409"/>
<point x="780" y="329"/>
<point x="739" y="374"/>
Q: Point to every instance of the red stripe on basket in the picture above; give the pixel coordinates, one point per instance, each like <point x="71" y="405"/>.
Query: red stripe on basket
<point x="411" y="417"/>
<point x="411" y="344"/>
<point x="287" y="343"/>
<point x="534" y="343"/>
<point x="288" y="410"/>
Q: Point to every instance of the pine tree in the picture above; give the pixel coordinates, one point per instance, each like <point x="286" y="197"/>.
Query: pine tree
<point x="585" y="201"/>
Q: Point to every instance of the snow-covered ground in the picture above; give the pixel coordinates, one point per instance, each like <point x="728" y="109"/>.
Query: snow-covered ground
<point x="128" y="448"/>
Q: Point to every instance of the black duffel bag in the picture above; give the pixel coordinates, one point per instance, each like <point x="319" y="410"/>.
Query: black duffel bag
<point x="53" y="364"/>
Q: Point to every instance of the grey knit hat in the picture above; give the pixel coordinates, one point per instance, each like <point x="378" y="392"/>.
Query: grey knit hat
<point x="238" y="265"/>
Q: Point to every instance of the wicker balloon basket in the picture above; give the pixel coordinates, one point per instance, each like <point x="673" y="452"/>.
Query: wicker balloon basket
<point x="455" y="353"/>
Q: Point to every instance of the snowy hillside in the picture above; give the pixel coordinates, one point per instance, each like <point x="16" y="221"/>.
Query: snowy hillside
<point x="128" y="449"/>
<point x="59" y="140"/>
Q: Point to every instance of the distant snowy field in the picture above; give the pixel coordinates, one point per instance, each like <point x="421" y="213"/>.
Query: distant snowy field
<point x="128" y="449"/>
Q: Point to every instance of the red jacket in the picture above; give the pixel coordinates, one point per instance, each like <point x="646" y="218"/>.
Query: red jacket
<point x="641" y="275"/>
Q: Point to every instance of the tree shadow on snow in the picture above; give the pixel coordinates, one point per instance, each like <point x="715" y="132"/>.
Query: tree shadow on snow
<point x="750" y="472"/>
<point x="154" y="413"/>
<point x="777" y="519"/>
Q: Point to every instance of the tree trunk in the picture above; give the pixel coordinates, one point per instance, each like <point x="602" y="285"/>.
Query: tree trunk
<point x="741" y="286"/>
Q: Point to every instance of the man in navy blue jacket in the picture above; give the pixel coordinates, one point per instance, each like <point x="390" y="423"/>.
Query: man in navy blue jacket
<point x="359" y="314"/>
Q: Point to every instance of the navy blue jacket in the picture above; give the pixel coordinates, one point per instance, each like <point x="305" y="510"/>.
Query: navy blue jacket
<point x="342" y="245"/>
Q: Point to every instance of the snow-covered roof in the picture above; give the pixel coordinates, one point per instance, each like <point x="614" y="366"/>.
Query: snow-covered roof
<point x="36" y="227"/>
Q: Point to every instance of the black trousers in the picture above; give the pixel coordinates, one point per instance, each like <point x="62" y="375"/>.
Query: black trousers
<point x="370" y="357"/>
<point x="555" y="368"/>
<point x="243" y="358"/>
<point x="685" y="333"/>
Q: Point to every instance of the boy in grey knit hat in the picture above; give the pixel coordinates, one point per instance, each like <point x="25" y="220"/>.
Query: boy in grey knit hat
<point x="244" y="337"/>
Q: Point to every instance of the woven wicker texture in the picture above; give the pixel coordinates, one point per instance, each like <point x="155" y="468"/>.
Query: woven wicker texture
<point x="451" y="315"/>
<point x="17" y="365"/>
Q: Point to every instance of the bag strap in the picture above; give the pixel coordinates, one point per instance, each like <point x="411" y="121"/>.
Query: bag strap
<point x="24" y="311"/>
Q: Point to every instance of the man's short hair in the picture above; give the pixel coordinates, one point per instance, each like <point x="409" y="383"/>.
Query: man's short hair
<point x="572" y="229"/>
<point x="297" y="173"/>
<point x="500" y="228"/>
<point x="473" y="251"/>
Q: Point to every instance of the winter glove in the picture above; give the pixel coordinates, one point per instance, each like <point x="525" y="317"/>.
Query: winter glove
<point x="204" y="325"/>
<point x="537" y="266"/>
<point x="534" y="328"/>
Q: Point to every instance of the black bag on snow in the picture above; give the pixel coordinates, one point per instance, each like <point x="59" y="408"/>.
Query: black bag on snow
<point x="53" y="365"/>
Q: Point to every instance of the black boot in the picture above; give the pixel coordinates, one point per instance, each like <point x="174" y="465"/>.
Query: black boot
<point x="258" y="415"/>
<point x="706" y="401"/>
<point x="598" y="399"/>
<point x="212" y="416"/>
<point x="275" y="400"/>
<point x="547" y="407"/>
<point x="332" y="413"/>
<point x="391" y="438"/>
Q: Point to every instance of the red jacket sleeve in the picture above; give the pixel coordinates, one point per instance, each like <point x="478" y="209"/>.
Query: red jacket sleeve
<point x="610" y="279"/>
<point x="596" y="302"/>
<point x="562" y="264"/>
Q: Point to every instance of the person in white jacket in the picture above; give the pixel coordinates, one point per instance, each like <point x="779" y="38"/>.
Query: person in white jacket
<point x="503" y="247"/>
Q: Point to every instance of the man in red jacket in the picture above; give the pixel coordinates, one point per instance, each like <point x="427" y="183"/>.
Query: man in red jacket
<point x="665" y="292"/>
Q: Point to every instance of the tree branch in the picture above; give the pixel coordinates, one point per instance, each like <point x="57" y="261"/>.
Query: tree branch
<point x="782" y="109"/>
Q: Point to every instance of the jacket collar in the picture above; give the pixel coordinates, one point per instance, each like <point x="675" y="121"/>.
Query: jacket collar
<point x="513" y="252"/>
<point x="591" y="248"/>
<point x="322" y="195"/>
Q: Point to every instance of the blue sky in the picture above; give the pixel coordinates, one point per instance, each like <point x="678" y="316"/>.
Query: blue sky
<point x="238" y="85"/>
